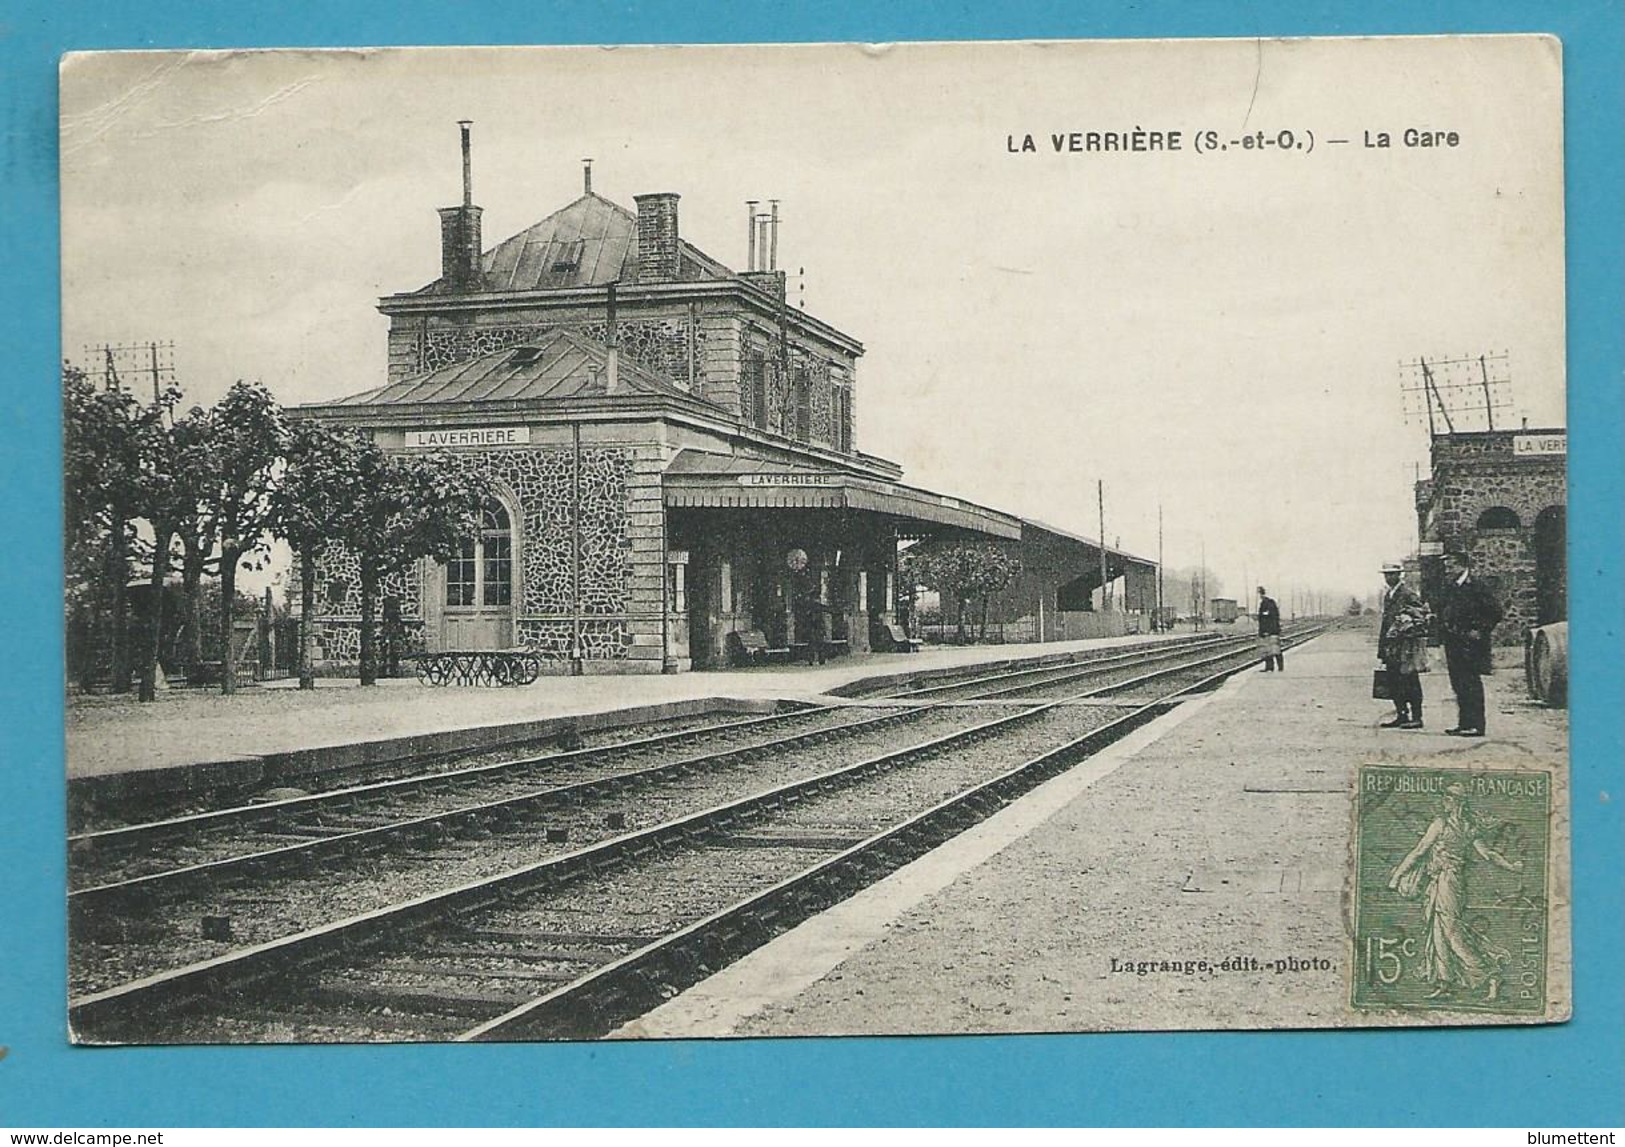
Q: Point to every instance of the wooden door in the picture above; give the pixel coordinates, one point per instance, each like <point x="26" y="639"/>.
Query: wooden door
<point x="478" y="587"/>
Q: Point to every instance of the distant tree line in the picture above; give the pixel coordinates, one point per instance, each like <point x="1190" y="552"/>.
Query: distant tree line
<point x="152" y="490"/>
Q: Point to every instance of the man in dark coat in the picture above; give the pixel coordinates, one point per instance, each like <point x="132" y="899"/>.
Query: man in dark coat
<point x="1402" y="647"/>
<point x="1269" y="632"/>
<point x="812" y="620"/>
<point x="1469" y="616"/>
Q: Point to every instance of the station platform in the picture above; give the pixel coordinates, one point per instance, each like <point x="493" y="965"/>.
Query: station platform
<point x="192" y="739"/>
<point x="1220" y="829"/>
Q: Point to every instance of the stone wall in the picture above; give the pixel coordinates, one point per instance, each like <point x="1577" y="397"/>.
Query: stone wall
<point x="1475" y="473"/>
<point x="611" y="488"/>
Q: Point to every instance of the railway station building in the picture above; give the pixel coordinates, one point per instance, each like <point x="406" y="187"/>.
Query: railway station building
<point x="670" y="451"/>
<point x="1500" y="496"/>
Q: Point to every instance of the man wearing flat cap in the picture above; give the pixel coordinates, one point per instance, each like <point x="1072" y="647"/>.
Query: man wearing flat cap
<point x="1269" y="632"/>
<point x="1402" y="647"/>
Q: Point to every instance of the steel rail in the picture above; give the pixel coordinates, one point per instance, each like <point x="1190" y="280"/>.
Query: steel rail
<point x="141" y="888"/>
<point x="130" y="836"/>
<point x="185" y="987"/>
<point x="500" y="811"/>
<point x="601" y="1000"/>
<point x="1088" y="670"/>
<point x="1061" y="670"/>
<point x="141" y="838"/>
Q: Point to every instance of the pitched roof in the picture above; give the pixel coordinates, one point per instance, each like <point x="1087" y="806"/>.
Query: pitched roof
<point x="1090" y="543"/>
<point x="557" y="364"/>
<point x="590" y="243"/>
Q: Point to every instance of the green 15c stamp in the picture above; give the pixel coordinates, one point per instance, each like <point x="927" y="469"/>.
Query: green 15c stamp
<point x="1450" y="890"/>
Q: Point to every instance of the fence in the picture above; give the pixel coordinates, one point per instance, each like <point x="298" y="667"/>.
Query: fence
<point x="1066" y="626"/>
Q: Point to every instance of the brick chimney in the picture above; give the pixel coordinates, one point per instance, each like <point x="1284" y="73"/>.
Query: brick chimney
<point x="658" y="256"/>
<point x="460" y="232"/>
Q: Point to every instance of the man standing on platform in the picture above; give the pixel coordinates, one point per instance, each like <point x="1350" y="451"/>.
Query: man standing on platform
<point x="1470" y="614"/>
<point x="1402" y="643"/>
<point x="1269" y="632"/>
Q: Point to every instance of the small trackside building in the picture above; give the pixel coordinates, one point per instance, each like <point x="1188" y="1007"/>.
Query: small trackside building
<point x="1501" y="497"/>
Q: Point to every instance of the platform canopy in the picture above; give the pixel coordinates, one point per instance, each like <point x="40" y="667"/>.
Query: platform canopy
<point x="700" y="479"/>
<point x="1073" y="562"/>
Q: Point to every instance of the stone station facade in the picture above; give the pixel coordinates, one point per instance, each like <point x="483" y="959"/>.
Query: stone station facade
<point x="1500" y="496"/>
<point x="667" y="445"/>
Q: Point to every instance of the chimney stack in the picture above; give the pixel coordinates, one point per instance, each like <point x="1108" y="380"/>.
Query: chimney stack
<point x="460" y="231"/>
<point x="586" y="176"/>
<point x="750" y="233"/>
<point x="773" y="224"/>
<point x="468" y="170"/>
<point x="659" y="255"/>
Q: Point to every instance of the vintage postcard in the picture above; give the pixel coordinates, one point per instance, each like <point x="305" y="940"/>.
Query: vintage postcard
<point x="1089" y="554"/>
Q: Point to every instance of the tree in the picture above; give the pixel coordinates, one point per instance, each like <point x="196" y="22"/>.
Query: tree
<point x="962" y="571"/>
<point x="100" y="473"/>
<point x="174" y="466"/>
<point x="247" y="438"/>
<point x="404" y="509"/>
<point x="320" y="486"/>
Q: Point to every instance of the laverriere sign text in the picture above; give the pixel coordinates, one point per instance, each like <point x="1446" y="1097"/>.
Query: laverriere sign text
<point x="468" y="436"/>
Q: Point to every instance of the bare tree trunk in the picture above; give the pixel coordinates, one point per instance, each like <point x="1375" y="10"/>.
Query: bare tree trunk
<point x="307" y="606"/>
<point x="192" y="562"/>
<point x="149" y="655"/>
<point x="369" y="595"/>
<point x="228" y="608"/>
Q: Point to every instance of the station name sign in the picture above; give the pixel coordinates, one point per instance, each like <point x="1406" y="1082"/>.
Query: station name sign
<point x="790" y="479"/>
<point x="1527" y="444"/>
<point x="467" y="436"/>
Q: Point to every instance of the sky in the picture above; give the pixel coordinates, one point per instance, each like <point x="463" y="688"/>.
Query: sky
<point x="1218" y="334"/>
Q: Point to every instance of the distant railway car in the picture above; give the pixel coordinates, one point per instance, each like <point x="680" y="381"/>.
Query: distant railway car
<point x="1224" y="610"/>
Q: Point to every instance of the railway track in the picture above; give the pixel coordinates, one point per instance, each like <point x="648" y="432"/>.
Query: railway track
<point x="423" y="966"/>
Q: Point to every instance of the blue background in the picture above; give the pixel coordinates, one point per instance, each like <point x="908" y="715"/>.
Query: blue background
<point x="1563" y="1075"/>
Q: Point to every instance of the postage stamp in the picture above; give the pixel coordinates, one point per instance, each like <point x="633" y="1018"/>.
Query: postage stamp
<point x="1451" y="890"/>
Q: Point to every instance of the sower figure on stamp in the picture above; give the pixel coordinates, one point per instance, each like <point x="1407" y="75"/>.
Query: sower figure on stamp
<point x="1269" y="632"/>
<point x="1402" y="647"/>
<point x="1469" y="616"/>
<point x="1455" y="954"/>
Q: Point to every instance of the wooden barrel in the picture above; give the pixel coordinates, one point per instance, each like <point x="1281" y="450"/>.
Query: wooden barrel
<point x="1549" y="665"/>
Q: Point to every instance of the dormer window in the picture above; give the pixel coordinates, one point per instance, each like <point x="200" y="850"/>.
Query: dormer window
<point x="568" y="255"/>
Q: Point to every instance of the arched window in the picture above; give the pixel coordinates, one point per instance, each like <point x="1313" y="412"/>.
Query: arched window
<point x="1499" y="518"/>
<point x="482" y="572"/>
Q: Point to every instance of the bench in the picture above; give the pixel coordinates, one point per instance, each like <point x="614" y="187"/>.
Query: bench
<point x="893" y="639"/>
<point x="750" y="647"/>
